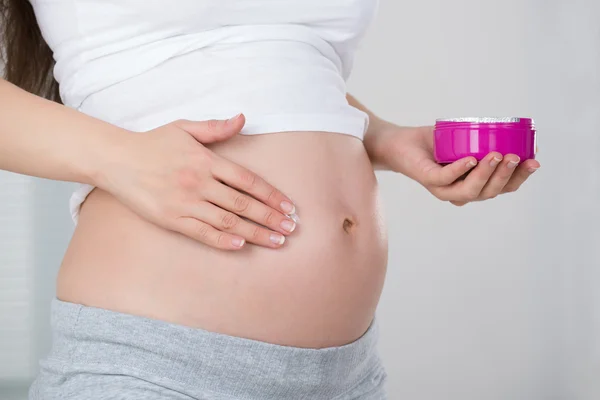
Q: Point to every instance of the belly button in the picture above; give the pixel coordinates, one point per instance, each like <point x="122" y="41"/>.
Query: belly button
<point x="348" y="225"/>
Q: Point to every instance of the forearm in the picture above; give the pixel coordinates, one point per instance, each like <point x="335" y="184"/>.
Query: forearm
<point x="48" y="140"/>
<point x="373" y="137"/>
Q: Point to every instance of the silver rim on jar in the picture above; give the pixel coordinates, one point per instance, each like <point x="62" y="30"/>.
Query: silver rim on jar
<point x="485" y="120"/>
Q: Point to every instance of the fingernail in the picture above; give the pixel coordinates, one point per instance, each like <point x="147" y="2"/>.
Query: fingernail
<point x="277" y="239"/>
<point x="295" y="218"/>
<point x="288" y="225"/>
<point x="532" y="170"/>
<point x="512" y="164"/>
<point x="471" y="164"/>
<point x="233" y="119"/>
<point x="287" y="207"/>
<point x="495" y="161"/>
<point x="238" y="242"/>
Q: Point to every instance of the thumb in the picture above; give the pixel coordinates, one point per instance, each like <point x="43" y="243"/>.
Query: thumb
<point x="214" y="130"/>
<point x="444" y="176"/>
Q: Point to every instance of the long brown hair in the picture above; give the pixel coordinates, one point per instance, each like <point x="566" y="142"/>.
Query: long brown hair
<point x="28" y="61"/>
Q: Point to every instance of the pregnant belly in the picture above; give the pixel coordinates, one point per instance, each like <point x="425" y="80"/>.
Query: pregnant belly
<point x="320" y="289"/>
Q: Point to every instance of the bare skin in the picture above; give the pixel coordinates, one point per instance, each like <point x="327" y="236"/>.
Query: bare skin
<point x="319" y="289"/>
<point x="180" y="226"/>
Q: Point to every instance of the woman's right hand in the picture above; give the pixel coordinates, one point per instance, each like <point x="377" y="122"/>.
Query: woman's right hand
<point x="168" y="177"/>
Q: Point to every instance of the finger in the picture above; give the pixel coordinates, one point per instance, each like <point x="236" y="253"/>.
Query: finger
<point x="204" y="233"/>
<point x="436" y="175"/>
<point x="523" y="172"/>
<point x="213" y="130"/>
<point x="250" y="208"/>
<point x="469" y="189"/>
<point x="500" y="177"/>
<point x="229" y="222"/>
<point x="240" y="178"/>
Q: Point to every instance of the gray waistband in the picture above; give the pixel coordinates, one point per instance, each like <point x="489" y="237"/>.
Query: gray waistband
<point x="103" y="340"/>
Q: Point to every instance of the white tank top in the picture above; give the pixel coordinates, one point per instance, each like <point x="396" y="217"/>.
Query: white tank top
<point x="140" y="64"/>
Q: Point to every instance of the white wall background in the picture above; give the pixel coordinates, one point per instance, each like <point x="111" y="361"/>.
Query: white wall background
<point x="16" y="270"/>
<point x="497" y="300"/>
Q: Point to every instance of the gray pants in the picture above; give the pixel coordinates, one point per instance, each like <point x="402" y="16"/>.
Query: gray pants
<point x="99" y="354"/>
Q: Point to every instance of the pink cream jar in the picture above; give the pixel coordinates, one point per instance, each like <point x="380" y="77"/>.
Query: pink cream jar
<point x="462" y="137"/>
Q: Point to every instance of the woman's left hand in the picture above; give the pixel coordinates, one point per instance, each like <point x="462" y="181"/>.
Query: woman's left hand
<point x="409" y="151"/>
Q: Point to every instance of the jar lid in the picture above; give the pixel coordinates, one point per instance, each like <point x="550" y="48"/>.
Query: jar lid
<point x="486" y="120"/>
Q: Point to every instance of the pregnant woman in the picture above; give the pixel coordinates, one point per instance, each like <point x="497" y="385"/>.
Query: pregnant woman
<point x="229" y="240"/>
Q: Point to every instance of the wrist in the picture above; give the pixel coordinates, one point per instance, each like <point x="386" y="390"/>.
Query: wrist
<point x="110" y="152"/>
<point x="376" y="142"/>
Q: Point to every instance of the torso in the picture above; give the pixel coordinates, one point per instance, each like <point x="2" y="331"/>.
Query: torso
<point x="283" y="64"/>
<point x="320" y="290"/>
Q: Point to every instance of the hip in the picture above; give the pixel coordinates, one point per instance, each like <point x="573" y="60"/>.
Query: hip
<point x="320" y="289"/>
<point x="99" y="354"/>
